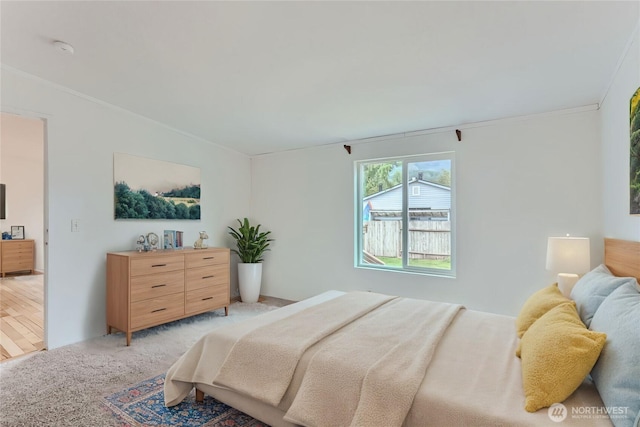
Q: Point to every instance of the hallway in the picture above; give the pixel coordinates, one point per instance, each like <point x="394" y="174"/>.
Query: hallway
<point x="21" y="315"/>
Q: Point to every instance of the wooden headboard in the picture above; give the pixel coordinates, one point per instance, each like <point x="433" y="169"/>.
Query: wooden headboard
<point x="622" y="257"/>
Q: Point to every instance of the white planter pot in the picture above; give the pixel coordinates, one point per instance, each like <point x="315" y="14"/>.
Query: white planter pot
<point x="249" y="279"/>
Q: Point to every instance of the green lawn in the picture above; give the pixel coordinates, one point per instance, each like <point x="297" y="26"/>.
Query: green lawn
<point x="444" y="264"/>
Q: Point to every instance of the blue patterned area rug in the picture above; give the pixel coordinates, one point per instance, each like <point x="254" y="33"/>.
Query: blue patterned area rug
<point x="143" y="405"/>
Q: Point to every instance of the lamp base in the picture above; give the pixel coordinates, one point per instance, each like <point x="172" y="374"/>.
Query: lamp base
<point x="566" y="281"/>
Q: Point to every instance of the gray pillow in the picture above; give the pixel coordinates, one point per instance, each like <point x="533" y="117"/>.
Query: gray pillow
<point x="592" y="289"/>
<point x="617" y="372"/>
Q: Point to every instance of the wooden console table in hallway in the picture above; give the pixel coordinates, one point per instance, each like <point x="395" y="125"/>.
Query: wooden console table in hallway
<point x="16" y="256"/>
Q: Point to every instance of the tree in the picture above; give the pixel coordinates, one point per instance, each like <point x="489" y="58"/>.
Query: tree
<point x="194" y="212"/>
<point x="381" y="176"/>
<point x="143" y="205"/>
<point x="129" y="204"/>
<point x="444" y="178"/>
<point x="192" y="191"/>
<point x="182" y="211"/>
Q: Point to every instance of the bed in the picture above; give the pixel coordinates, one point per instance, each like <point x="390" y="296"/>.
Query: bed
<point x="471" y="375"/>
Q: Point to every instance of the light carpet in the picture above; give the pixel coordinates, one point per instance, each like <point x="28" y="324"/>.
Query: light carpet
<point x="66" y="386"/>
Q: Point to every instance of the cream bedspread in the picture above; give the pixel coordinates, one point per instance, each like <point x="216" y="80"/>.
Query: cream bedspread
<point x="368" y="373"/>
<point x="473" y="379"/>
<point x="280" y="345"/>
<point x="372" y="349"/>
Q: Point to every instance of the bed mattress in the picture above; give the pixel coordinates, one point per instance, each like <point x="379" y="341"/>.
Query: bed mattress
<point x="474" y="377"/>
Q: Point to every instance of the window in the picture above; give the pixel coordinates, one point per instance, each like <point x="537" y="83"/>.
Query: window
<point x="405" y="214"/>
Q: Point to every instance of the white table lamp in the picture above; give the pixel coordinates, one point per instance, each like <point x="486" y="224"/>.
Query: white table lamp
<point x="569" y="257"/>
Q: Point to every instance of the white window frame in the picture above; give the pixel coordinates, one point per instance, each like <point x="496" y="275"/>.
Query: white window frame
<point x="406" y="268"/>
<point x="415" y="190"/>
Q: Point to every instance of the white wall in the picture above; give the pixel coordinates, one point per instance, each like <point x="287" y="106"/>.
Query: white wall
<point x="615" y="148"/>
<point x="81" y="137"/>
<point x="518" y="182"/>
<point x="22" y="170"/>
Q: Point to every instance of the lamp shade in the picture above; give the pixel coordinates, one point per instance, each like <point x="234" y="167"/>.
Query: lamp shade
<point x="568" y="255"/>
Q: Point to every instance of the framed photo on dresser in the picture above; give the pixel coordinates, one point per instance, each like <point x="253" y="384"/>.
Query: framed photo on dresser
<point x="17" y="232"/>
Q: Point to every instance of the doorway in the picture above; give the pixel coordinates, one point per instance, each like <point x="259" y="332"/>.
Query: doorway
<point x="22" y="250"/>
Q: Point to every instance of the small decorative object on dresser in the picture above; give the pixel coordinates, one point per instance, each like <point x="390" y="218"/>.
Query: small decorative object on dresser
<point x="17" y="232"/>
<point x="146" y="289"/>
<point x="140" y="243"/>
<point x="154" y="241"/>
<point x="199" y="244"/>
<point x="169" y="239"/>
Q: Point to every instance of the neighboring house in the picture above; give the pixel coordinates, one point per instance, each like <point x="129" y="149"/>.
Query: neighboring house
<point x="427" y="201"/>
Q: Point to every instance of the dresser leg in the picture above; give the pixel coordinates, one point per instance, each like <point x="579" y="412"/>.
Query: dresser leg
<point x="199" y="396"/>
<point x="128" y="339"/>
<point x="226" y="310"/>
<point x="108" y="329"/>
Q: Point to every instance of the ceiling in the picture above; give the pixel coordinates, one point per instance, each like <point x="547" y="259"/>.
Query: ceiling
<point x="262" y="77"/>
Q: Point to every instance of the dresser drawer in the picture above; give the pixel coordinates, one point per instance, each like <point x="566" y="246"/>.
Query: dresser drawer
<point x="207" y="258"/>
<point x="159" y="264"/>
<point x="207" y="276"/>
<point x="156" y="285"/>
<point x="17" y="257"/>
<point x="206" y="299"/>
<point x="16" y="246"/>
<point x="16" y="265"/>
<point x="154" y="311"/>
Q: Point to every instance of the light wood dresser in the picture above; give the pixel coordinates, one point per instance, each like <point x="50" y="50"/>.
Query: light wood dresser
<point x="146" y="289"/>
<point x="16" y="255"/>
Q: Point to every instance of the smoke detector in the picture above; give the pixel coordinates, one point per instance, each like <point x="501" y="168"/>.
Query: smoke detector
<point x="64" y="47"/>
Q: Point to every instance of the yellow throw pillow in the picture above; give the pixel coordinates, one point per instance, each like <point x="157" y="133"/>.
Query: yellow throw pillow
<point x="537" y="305"/>
<point x="557" y="353"/>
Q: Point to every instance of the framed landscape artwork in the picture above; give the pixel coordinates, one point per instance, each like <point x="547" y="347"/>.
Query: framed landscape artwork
<point x="154" y="189"/>
<point x="634" y="169"/>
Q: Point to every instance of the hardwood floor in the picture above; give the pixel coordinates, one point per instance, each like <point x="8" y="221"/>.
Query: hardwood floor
<point x="21" y="315"/>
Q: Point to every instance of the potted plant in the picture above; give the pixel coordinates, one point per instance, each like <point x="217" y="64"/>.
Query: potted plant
<point x="251" y="245"/>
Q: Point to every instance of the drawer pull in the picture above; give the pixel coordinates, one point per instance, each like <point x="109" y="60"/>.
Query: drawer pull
<point x="159" y="286"/>
<point x="159" y="265"/>
<point x="204" y="299"/>
<point x="160" y="309"/>
<point x="207" y="277"/>
<point x="209" y="257"/>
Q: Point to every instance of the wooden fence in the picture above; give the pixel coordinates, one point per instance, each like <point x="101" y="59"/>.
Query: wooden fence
<point x="427" y="239"/>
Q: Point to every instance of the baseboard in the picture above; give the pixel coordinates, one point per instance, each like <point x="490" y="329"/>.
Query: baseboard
<point x="261" y="298"/>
